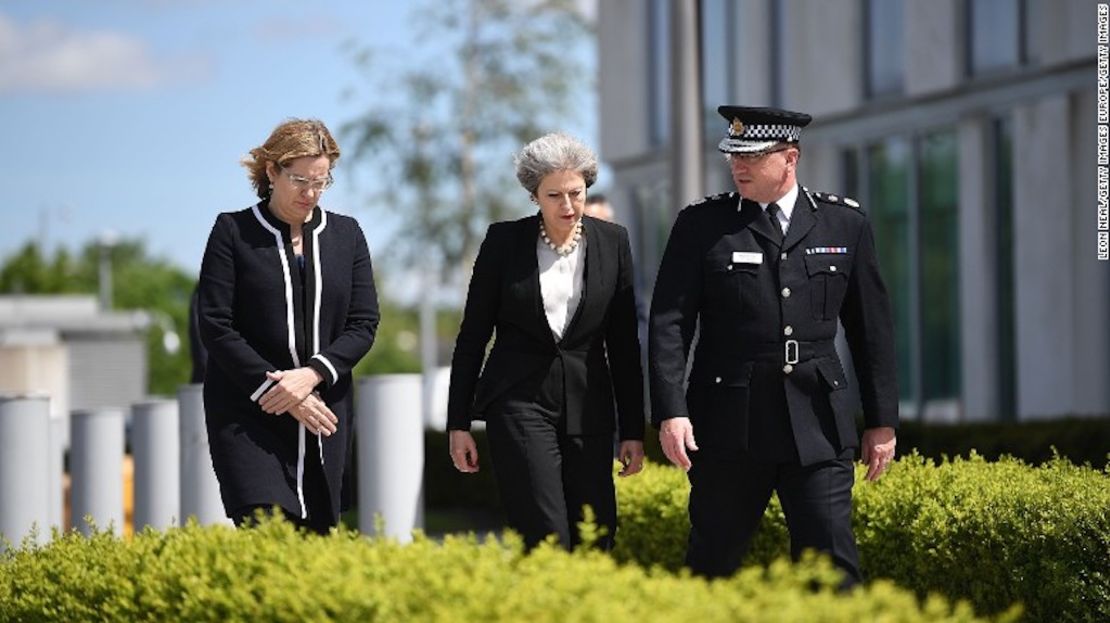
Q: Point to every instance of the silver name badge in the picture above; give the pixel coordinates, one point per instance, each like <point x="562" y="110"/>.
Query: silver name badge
<point x="747" y="257"/>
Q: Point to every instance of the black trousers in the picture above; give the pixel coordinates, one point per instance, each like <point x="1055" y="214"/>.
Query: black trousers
<point x="320" y="519"/>
<point x="728" y="499"/>
<point x="544" y="475"/>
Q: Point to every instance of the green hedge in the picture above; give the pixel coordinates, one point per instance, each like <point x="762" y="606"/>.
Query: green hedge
<point x="274" y="574"/>
<point x="1080" y="440"/>
<point x="993" y="533"/>
<point x="446" y="487"/>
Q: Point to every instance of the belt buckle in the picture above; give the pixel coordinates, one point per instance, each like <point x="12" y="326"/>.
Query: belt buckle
<point x="791" y="351"/>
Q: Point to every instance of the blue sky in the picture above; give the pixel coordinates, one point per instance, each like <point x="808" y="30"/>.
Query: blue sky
<point x="129" y="117"/>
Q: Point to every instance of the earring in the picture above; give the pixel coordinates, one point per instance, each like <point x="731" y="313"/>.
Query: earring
<point x="271" y="185"/>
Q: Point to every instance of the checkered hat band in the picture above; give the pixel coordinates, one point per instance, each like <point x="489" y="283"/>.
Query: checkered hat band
<point x="779" y="132"/>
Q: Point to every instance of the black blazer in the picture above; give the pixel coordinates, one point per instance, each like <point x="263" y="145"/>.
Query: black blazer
<point x="258" y="312"/>
<point x="756" y="295"/>
<point x="600" y="349"/>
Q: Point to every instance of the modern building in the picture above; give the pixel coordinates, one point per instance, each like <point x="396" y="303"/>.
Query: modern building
<point x="967" y="130"/>
<point x="68" y="348"/>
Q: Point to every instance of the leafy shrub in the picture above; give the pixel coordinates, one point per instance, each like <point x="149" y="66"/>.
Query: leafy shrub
<point x="1080" y="440"/>
<point x="992" y="533"/>
<point x="447" y="487"/>
<point x="272" y="573"/>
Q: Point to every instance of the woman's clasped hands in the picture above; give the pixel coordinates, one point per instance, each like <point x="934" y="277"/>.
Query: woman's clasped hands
<point x="292" y="393"/>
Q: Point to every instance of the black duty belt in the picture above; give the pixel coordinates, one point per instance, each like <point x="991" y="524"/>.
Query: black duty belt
<point x="789" y="351"/>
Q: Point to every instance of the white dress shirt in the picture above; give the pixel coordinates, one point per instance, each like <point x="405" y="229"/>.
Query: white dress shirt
<point x="560" y="283"/>
<point x="786" y="207"/>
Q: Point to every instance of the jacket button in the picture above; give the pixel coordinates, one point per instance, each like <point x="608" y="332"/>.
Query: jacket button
<point x="717" y="380"/>
<point x="788" y="368"/>
<point x="782" y="257"/>
<point x="832" y="269"/>
<point x="786" y="293"/>
<point x="730" y="267"/>
<point x="788" y="330"/>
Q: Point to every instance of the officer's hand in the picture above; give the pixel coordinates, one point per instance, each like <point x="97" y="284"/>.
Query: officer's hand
<point x="464" y="452"/>
<point x="676" y="435"/>
<point x="877" y="450"/>
<point x="631" y="455"/>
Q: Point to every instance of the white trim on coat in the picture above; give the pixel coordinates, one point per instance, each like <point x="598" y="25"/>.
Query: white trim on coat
<point x="327" y="364"/>
<point x="261" y="390"/>
<point x="292" y="345"/>
<point x="316" y="311"/>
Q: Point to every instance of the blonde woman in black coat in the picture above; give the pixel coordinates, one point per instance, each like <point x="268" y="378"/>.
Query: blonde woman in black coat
<point x="556" y="288"/>
<point x="286" y="307"/>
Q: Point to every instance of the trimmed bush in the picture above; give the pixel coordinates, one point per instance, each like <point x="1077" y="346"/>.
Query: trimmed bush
<point x="272" y="573"/>
<point x="446" y="487"/>
<point x="992" y="533"/>
<point x="1080" y="440"/>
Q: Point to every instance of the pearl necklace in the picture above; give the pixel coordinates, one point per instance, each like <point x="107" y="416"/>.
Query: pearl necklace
<point x="569" y="247"/>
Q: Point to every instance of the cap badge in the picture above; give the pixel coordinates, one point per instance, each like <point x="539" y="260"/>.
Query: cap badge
<point x="737" y="127"/>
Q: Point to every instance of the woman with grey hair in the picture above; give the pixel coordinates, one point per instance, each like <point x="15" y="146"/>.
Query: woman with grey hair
<point x="557" y="288"/>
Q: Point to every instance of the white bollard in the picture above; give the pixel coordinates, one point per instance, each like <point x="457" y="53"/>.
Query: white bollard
<point x="24" y="467"/>
<point x="156" y="450"/>
<point x="390" y="433"/>
<point x="95" y="467"/>
<point x="435" y="413"/>
<point x="57" y="493"/>
<point x="200" y="491"/>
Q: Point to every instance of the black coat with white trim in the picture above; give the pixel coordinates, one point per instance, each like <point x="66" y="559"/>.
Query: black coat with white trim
<point x="259" y="312"/>
<point x="753" y="292"/>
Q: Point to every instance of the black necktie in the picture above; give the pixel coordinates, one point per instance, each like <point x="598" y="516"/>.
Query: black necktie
<point x="773" y="214"/>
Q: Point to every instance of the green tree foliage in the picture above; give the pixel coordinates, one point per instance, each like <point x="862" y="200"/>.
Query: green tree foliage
<point x="139" y="282"/>
<point x="27" y="272"/>
<point x="397" y="345"/>
<point x="440" y="129"/>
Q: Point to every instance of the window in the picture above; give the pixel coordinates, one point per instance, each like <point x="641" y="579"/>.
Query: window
<point x="940" y="280"/>
<point x="910" y="187"/>
<point x="718" y="79"/>
<point x="778" y="53"/>
<point x="659" y="77"/>
<point x="888" y="208"/>
<point x="994" y="31"/>
<point x="650" y="229"/>
<point x="850" y="172"/>
<point x="886" y="52"/>
<point x="1003" y="153"/>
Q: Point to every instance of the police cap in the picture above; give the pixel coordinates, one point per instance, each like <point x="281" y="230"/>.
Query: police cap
<point x="754" y="129"/>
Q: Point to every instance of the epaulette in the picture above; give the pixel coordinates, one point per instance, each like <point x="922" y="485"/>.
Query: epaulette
<point x="711" y="199"/>
<point x="833" y="199"/>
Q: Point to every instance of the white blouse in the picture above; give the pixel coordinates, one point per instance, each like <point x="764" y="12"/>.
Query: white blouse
<point x="560" y="284"/>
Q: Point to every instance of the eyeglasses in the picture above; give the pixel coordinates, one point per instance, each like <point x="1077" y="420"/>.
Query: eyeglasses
<point x="303" y="183"/>
<point x="756" y="157"/>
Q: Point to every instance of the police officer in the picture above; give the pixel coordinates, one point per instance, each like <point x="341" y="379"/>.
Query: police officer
<point x="766" y="273"/>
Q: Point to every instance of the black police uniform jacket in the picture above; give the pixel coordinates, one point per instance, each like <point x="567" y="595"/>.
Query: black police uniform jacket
<point x="258" y="312"/>
<point x="599" y="351"/>
<point x="768" y="311"/>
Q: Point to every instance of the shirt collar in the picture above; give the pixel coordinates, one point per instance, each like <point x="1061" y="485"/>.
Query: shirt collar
<point x="785" y="202"/>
